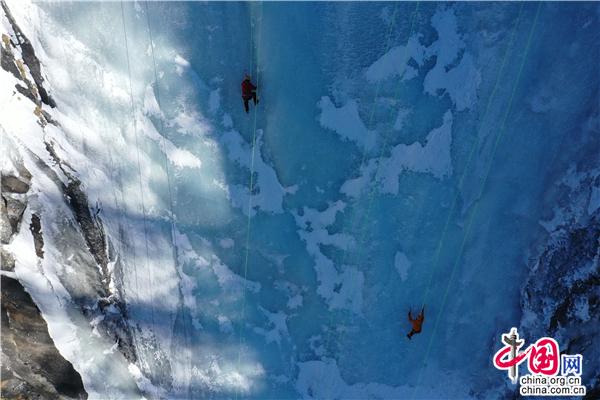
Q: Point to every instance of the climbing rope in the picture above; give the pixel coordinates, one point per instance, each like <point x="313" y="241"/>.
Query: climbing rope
<point x="139" y="168"/>
<point x="499" y="136"/>
<point x="384" y="148"/>
<point x="250" y="186"/>
<point x="172" y="220"/>
<point x="356" y="217"/>
<point x="469" y="158"/>
<point x="134" y="253"/>
<point x="472" y="152"/>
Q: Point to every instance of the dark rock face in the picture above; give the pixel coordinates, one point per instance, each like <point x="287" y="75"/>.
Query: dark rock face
<point x="99" y="300"/>
<point x="29" y="58"/>
<point x="13" y="184"/>
<point x="39" y="372"/>
<point x="12" y="210"/>
<point x="36" y="230"/>
<point x="7" y="261"/>
<point x="26" y="92"/>
<point x="90" y="225"/>
<point x="32" y="367"/>
<point x="12" y="205"/>
<point x="561" y="298"/>
<point x="7" y="61"/>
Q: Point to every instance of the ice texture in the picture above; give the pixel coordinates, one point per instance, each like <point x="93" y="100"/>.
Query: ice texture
<point x="276" y="254"/>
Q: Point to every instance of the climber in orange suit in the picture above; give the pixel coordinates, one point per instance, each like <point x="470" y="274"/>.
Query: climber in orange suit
<point x="416" y="323"/>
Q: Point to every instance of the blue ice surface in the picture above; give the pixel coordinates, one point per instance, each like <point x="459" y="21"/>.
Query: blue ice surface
<point x="468" y="235"/>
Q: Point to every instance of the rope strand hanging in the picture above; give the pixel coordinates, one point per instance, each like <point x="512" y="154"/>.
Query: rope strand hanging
<point x="346" y="253"/>
<point x="172" y="220"/>
<point x="471" y="218"/>
<point x="251" y="181"/>
<point x="133" y="114"/>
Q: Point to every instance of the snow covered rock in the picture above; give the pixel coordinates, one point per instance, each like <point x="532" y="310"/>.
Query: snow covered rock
<point x="46" y="220"/>
<point x="32" y="367"/>
<point x="561" y="298"/>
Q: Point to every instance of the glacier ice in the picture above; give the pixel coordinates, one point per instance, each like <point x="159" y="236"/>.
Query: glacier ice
<point x="380" y="176"/>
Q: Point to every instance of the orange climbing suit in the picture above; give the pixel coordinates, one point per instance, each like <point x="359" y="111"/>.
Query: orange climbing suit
<point x="416" y="323"/>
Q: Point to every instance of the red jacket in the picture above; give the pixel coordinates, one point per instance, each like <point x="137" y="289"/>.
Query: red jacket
<point x="247" y="88"/>
<point x="417" y="322"/>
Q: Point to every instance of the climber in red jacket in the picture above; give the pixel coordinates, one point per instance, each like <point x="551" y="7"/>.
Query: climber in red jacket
<point x="416" y="323"/>
<point x="248" y="92"/>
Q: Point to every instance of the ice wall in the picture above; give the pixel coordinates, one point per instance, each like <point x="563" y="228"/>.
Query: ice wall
<point x="402" y="156"/>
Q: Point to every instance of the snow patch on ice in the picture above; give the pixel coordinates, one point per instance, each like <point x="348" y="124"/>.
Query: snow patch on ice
<point x="230" y="282"/>
<point x="225" y="324"/>
<point x="191" y="123"/>
<point x="279" y="330"/>
<point x="346" y="122"/>
<point x="460" y="81"/>
<point x="402" y="265"/>
<point x="226" y="243"/>
<point x="270" y="192"/>
<point x="454" y="73"/>
<point x="181" y="64"/>
<point x="354" y="187"/>
<point x="294" y="293"/>
<point x="434" y="157"/>
<point x="295" y="301"/>
<point x="340" y="289"/>
<point x="395" y="62"/>
<point x="150" y="103"/>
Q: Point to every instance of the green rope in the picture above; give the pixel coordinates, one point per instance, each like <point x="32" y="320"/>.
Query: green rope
<point x="356" y="218"/>
<point x="469" y="158"/>
<point x="173" y="223"/>
<point x="139" y="174"/>
<point x="250" y="188"/>
<point x="475" y="208"/>
<point x="136" y="138"/>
